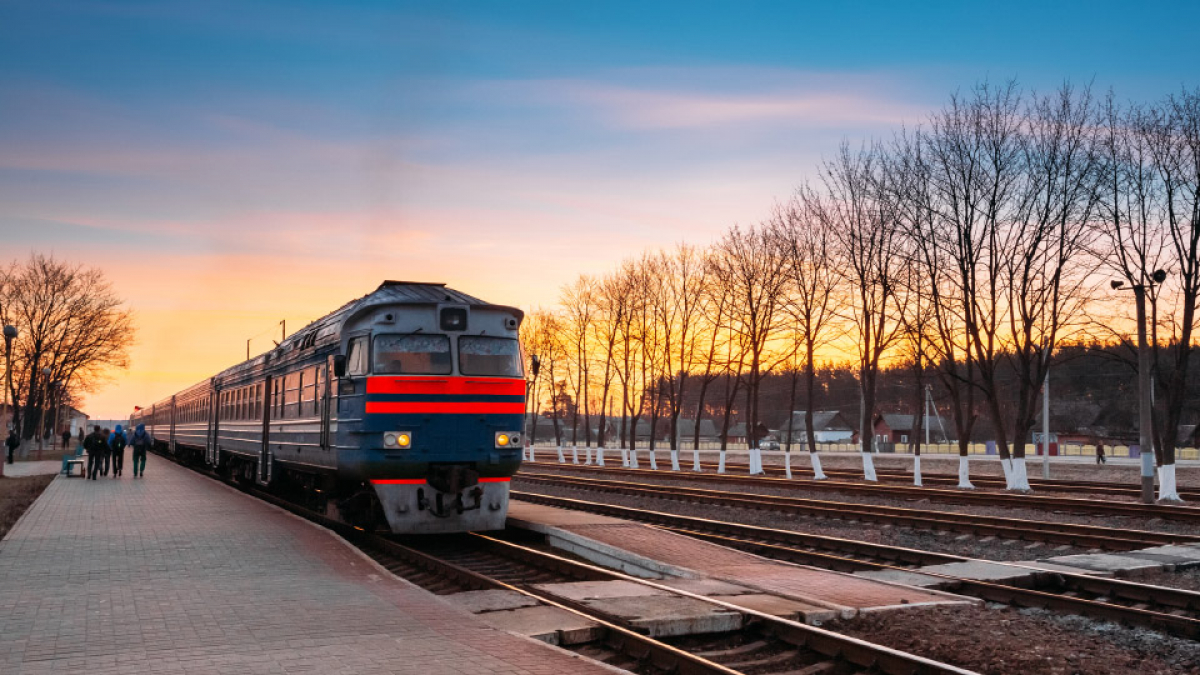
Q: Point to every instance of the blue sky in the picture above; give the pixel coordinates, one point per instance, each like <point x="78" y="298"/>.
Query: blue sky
<point x="263" y="160"/>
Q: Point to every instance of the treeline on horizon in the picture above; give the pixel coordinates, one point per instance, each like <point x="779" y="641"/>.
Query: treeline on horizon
<point x="1093" y="385"/>
<point x="971" y="254"/>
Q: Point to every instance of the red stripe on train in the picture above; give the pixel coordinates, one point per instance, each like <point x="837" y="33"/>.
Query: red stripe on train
<point x="445" y="385"/>
<point x="445" y="408"/>
<point x="421" y="481"/>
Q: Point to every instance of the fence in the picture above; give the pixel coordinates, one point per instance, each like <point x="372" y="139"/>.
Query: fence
<point x="1065" y="449"/>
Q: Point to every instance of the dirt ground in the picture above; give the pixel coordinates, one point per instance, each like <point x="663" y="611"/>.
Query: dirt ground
<point x="16" y="494"/>
<point x="1001" y="640"/>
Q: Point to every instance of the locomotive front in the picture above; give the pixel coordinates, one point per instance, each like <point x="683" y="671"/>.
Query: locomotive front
<point x="440" y="394"/>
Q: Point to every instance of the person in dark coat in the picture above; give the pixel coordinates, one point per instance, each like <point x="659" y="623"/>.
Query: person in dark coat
<point x="94" y="445"/>
<point x="12" y="442"/>
<point x="141" y="441"/>
<point x="1100" y="459"/>
<point x="66" y="439"/>
<point x="116" y="448"/>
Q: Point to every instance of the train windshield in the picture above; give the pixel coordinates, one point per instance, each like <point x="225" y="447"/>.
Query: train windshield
<point x="413" y="354"/>
<point x="494" y="356"/>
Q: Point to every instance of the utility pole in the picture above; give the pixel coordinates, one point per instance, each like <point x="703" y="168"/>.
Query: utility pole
<point x="1145" y="435"/>
<point x="1046" y="418"/>
<point x="10" y="332"/>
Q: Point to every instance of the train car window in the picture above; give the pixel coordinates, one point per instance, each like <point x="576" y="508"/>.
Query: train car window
<point x="414" y="354"/>
<point x="489" y="356"/>
<point x="308" y="394"/>
<point x="291" y="396"/>
<point x="356" y="357"/>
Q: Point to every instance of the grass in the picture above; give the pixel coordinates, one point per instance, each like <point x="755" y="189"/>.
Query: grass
<point x="16" y="494"/>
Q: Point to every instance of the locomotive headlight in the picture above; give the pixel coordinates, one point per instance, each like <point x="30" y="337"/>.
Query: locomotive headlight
<point x="507" y="439"/>
<point x="397" y="439"/>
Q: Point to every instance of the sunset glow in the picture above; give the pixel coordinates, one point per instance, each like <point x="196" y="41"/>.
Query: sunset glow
<point x="231" y="167"/>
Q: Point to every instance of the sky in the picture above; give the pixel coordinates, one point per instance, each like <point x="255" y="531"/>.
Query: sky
<point x="233" y="164"/>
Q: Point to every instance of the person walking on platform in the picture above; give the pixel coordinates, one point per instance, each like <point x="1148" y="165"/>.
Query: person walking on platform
<point x="12" y="442"/>
<point x="1100" y="459"/>
<point x="105" y="453"/>
<point x="94" y="445"/>
<point x="141" y="443"/>
<point x="66" y="439"/>
<point x="116" y="447"/>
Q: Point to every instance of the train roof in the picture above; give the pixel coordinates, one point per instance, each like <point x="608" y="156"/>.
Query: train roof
<point x="388" y="293"/>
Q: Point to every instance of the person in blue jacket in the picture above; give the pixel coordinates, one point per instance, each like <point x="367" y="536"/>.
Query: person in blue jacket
<point x="141" y="442"/>
<point x="116" y="447"/>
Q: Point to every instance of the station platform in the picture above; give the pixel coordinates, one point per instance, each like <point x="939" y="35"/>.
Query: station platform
<point x="652" y="552"/>
<point x="176" y="573"/>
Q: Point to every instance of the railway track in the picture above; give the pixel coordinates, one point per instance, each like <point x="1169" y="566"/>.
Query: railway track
<point x="1169" y="610"/>
<point x="765" y="645"/>
<point x="1094" y="507"/>
<point x="1085" y="536"/>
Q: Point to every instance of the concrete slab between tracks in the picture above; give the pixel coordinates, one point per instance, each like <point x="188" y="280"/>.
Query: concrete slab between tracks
<point x="176" y="573"/>
<point x="818" y="594"/>
<point x="1107" y="562"/>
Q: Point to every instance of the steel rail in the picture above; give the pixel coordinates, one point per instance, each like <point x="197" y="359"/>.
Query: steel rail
<point x="766" y="542"/>
<point x="1008" y="528"/>
<point x="1168" y="600"/>
<point x="1110" y="488"/>
<point x="910" y="492"/>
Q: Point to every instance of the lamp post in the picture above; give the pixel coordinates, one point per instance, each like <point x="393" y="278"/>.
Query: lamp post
<point x="1145" y="407"/>
<point x="10" y="332"/>
<point x="41" y="423"/>
<point x="56" y="400"/>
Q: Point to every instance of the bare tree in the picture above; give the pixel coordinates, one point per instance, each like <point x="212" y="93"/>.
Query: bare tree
<point x="678" y="314"/>
<point x="811" y="301"/>
<point x="578" y="302"/>
<point x="69" y="321"/>
<point x="865" y="226"/>
<point x="1046" y="270"/>
<point x="751" y="263"/>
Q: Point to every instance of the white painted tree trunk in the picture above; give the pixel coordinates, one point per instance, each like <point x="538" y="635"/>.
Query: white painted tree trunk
<point x="1166" y="484"/>
<point x="633" y="459"/>
<point x="674" y="460"/>
<point x="574" y="454"/>
<point x="818" y="474"/>
<point x="721" y="463"/>
<point x="625" y="458"/>
<point x="600" y="456"/>
<point x="561" y="459"/>
<point x="531" y="456"/>
<point x="917" y="470"/>
<point x="587" y="455"/>
<point x="653" y="460"/>
<point x="696" y="460"/>
<point x="868" y="467"/>
<point x="787" y="465"/>
<point x="1006" y="464"/>
<point x="756" y="461"/>
<point x="1020" y="479"/>
<point x="964" y="473"/>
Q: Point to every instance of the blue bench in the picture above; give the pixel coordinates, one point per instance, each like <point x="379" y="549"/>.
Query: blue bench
<point x="71" y="461"/>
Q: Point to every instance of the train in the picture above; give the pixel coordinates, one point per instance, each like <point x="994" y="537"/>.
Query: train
<point x="402" y="410"/>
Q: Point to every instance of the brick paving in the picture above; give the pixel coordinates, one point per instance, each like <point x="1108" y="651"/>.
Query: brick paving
<point x="176" y="573"/>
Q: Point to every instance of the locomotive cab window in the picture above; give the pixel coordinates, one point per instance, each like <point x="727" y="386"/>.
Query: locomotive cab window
<point x="413" y="354"/>
<point x="489" y="356"/>
<point x="356" y="357"/>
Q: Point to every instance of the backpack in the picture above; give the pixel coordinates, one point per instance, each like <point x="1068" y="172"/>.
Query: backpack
<point x="118" y="442"/>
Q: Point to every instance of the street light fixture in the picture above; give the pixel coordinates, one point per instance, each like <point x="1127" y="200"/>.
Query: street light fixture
<point x="10" y="332"/>
<point x="1145" y="408"/>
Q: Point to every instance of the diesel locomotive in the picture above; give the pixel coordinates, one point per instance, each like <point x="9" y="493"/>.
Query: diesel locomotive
<point x="403" y="409"/>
